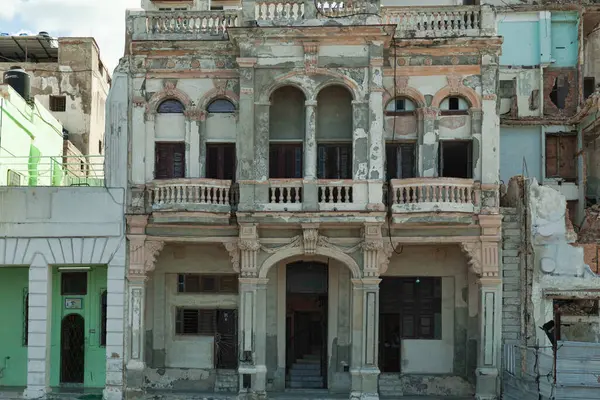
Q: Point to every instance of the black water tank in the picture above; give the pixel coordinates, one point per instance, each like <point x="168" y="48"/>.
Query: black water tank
<point x="19" y="80"/>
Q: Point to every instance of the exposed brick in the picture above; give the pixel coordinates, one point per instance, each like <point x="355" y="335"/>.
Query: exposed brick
<point x="510" y="260"/>
<point x="511" y="225"/>
<point x="512" y="232"/>
<point x="511" y="335"/>
<point x="569" y="77"/>
<point x="509" y="273"/>
<point x="512" y="280"/>
<point x="510" y="218"/>
<point x="515" y="301"/>
<point x="510" y="287"/>
<point x="509" y="245"/>
<point x="510" y="253"/>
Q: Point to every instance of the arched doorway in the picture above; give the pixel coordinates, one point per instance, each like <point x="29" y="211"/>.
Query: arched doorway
<point x="72" y="353"/>
<point x="306" y="325"/>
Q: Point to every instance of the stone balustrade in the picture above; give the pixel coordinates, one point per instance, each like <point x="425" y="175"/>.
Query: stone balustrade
<point x="181" y="25"/>
<point x="341" y="8"/>
<point x="335" y="191"/>
<point x="194" y="194"/>
<point x="285" y="191"/>
<point x="286" y="10"/>
<point x="434" y="194"/>
<point x="439" y="21"/>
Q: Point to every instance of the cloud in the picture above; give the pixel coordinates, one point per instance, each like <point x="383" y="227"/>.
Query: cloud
<point x="102" y="19"/>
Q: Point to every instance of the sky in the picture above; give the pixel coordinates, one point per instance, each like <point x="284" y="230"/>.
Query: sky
<point x="102" y="19"/>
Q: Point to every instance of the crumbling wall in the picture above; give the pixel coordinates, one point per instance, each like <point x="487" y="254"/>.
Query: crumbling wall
<point x="512" y="246"/>
<point x="561" y="92"/>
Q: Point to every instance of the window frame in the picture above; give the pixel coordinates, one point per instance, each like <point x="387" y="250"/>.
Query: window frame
<point x="400" y="113"/>
<point x="165" y="103"/>
<point x="398" y="168"/>
<point x="222" y="162"/>
<point x="469" y="159"/>
<point x="458" y="111"/>
<point x="170" y="163"/>
<point x="559" y="175"/>
<point x="322" y="162"/>
<point x="58" y="103"/>
<point x="280" y="165"/>
<point x="219" y="278"/>
<point x="231" y="110"/>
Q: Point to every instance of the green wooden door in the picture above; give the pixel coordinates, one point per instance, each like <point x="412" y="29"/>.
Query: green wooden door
<point x="13" y="329"/>
<point x="78" y="360"/>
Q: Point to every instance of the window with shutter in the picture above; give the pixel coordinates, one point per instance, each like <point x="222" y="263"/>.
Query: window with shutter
<point x="455" y="159"/>
<point x="285" y="160"/>
<point x="220" y="161"/>
<point x="561" y="156"/>
<point x="203" y="283"/>
<point x="400" y="160"/>
<point x="170" y="160"/>
<point x="334" y="161"/>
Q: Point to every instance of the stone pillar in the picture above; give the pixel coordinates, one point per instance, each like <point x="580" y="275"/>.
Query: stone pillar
<point x="117" y="130"/>
<point x="142" y="256"/>
<point x="252" y="316"/>
<point x="365" y="313"/>
<point x="245" y="134"/>
<point x="490" y="338"/>
<point x="310" y="141"/>
<point x="490" y="122"/>
<point x="150" y="146"/>
<point x="188" y="148"/>
<point x="428" y="142"/>
<point x="476" y="116"/>
<point x="376" y="140"/>
<point x="138" y="140"/>
<point x="261" y="140"/>
<point x="360" y="136"/>
<point x="192" y="142"/>
<point x="202" y="130"/>
<point x="115" y="324"/>
<point x="40" y="332"/>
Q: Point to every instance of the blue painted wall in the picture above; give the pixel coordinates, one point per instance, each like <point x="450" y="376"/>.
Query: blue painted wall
<point x="564" y="39"/>
<point x="517" y="144"/>
<point x="521" y="44"/>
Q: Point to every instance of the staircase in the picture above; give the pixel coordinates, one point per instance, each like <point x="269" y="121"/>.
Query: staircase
<point x="306" y="372"/>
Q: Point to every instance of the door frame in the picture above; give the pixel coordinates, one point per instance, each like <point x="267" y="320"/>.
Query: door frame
<point x="62" y="360"/>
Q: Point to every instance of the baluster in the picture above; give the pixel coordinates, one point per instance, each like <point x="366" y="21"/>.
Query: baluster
<point x="463" y="195"/>
<point x="273" y="195"/>
<point x="155" y="194"/>
<point x="203" y="194"/>
<point x="476" y="23"/>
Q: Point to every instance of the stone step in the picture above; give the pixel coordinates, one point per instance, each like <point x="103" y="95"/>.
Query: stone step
<point x="312" y="357"/>
<point x="302" y="378"/>
<point x="308" y="361"/>
<point x="306" y="372"/>
<point x="310" y="366"/>
<point x="305" y="385"/>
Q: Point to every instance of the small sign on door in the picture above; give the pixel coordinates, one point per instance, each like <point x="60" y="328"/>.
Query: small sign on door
<point x="73" y="304"/>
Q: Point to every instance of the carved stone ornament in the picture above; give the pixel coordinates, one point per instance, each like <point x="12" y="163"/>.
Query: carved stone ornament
<point x="454" y="82"/>
<point x="234" y="253"/>
<point x="401" y="83"/>
<point x="249" y="245"/>
<point x="152" y="249"/>
<point x="311" y="238"/>
<point x="195" y="114"/>
<point x="473" y="252"/>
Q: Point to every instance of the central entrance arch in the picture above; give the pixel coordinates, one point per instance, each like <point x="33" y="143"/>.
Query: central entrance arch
<point x="306" y="325"/>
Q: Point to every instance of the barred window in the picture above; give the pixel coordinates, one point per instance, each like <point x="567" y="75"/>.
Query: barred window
<point x="199" y="322"/>
<point x="200" y="283"/>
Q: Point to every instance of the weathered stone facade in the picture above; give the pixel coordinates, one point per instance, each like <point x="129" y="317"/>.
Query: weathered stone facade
<point x="317" y="79"/>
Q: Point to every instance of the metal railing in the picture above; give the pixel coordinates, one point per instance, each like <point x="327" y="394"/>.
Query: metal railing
<point x="72" y="170"/>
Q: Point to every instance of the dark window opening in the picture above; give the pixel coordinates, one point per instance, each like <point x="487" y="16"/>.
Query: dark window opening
<point x="334" y="161"/>
<point x="400" y="160"/>
<point x="25" y="317"/>
<point x="285" y="160"/>
<point x="73" y="283"/>
<point x="453" y="104"/>
<point x="171" y="107"/>
<point x="455" y="159"/>
<point x="559" y="92"/>
<point x="561" y="155"/>
<point x="170" y="160"/>
<point x="410" y="308"/>
<point x="220" y="161"/>
<point x="195" y="322"/>
<point x="58" y="103"/>
<point x="103" y="318"/>
<point x="589" y="86"/>
<point x="200" y="283"/>
<point x="221" y="106"/>
<point x="100" y="147"/>
<point x="216" y="8"/>
<point x="400" y="106"/>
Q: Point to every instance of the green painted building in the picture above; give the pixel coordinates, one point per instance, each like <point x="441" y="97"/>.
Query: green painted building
<point x="31" y="142"/>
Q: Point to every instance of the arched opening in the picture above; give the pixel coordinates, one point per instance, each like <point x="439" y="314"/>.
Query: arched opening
<point x="334" y="133"/>
<point x="454" y="105"/>
<point x="72" y="350"/>
<point x="169" y="136"/>
<point x="401" y="135"/>
<point x="221" y="134"/>
<point x="286" y="132"/>
<point x="306" y="293"/>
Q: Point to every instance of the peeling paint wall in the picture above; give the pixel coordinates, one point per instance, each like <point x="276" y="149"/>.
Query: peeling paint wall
<point x="459" y="325"/>
<point x="182" y="362"/>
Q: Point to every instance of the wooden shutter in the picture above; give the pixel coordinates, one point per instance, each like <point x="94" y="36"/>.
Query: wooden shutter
<point x="285" y="160"/>
<point x="220" y="161"/>
<point x="407" y="160"/>
<point x="169" y="160"/>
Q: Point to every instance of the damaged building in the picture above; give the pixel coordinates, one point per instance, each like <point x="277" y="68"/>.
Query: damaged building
<point x="68" y="78"/>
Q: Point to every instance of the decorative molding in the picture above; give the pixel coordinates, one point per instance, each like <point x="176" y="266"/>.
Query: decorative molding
<point x="473" y="252"/>
<point x="311" y="57"/>
<point x="454" y="83"/>
<point x="152" y="250"/>
<point x="483" y="258"/>
<point x="311" y="239"/>
<point x="234" y="253"/>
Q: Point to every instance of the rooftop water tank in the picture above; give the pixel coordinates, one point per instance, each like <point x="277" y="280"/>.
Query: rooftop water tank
<point x="19" y="80"/>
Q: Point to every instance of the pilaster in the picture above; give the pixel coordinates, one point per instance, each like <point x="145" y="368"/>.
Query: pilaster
<point x="310" y="141"/>
<point x="476" y="118"/>
<point x="245" y="133"/>
<point x="40" y="328"/>
<point x="428" y="142"/>
<point x="261" y="140"/>
<point x="149" y="144"/>
<point x="360" y="136"/>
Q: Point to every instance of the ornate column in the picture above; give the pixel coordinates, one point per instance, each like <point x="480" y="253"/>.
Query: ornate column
<point x="192" y="123"/>
<point x="428" y="142"/>
<point x="376" y="140"/>
<point x="490" y="121"/>
<point x="142" y="257"/>
<point x="150" y="146"/>
<point x="310" y="143"/>
<point x="365" y="312"/>
<point x="252" y="316"/>
<point x="360" y="139"/>
<point x="476" y="115"/>
<point x="138" y="140"/>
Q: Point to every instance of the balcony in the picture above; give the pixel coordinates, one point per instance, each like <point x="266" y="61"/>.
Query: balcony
<point x="181" y="25"/>
<point x="440" y="195"/>
<point x="440" y="21"/>
<point x="204" y="195"/>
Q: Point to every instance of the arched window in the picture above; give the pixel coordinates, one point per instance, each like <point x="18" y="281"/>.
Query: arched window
<point x="454" y="105"/>
<point x="171" y="107"/>
<point x="400" y="106"/>
<point x="220" y="106"/>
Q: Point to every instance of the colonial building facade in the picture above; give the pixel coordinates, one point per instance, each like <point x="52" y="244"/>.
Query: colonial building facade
<point x="312" y="198"/>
